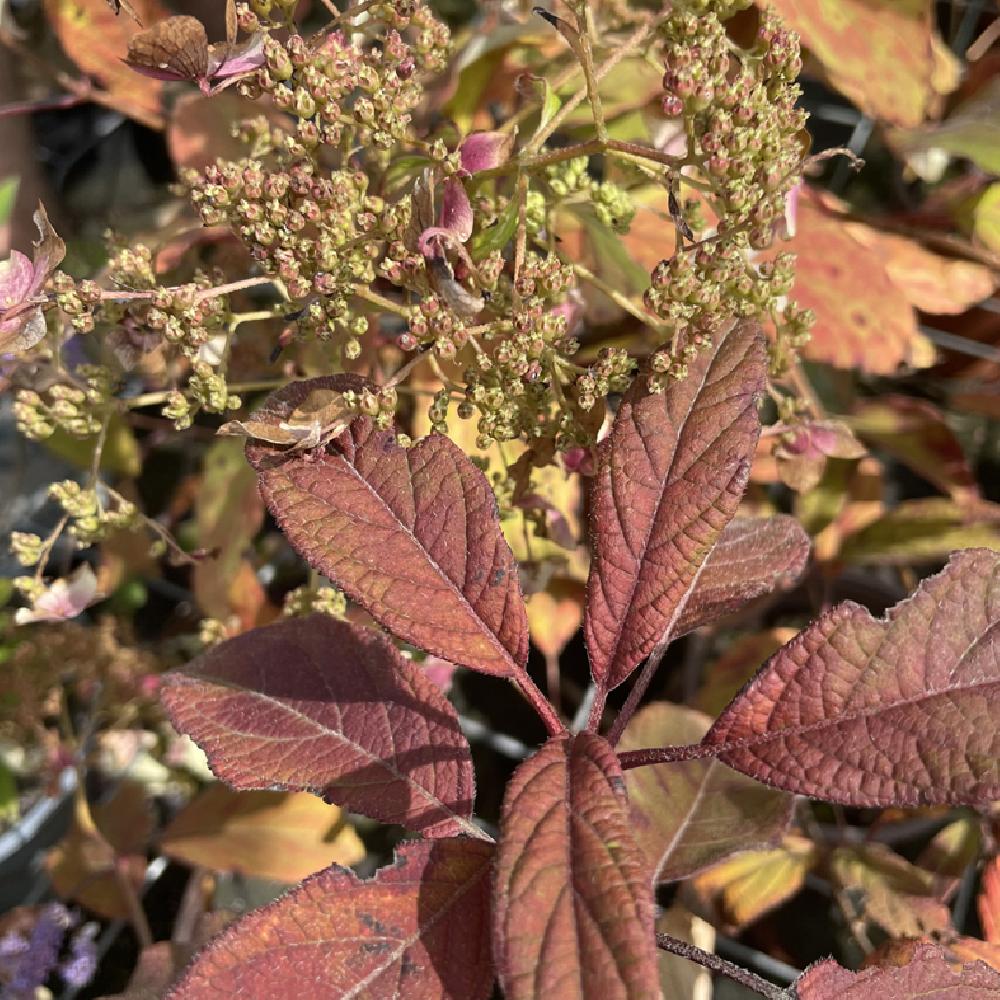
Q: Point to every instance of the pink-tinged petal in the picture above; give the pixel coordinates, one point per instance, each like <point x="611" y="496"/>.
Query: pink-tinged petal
<point x="432" y="241"/>
<point x="244" y="58"/>
<point x="439" y="671"/>
<point x="63" y="599"/>
<point x="456" y="210"/>
<point x="484" y="151"/>
<point x="16" y="276"/>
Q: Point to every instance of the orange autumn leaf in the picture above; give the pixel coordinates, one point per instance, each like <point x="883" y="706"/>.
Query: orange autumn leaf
<point x="885" y="55"/>
<point x="863" y="318"/>
<point x="97" y="41"/>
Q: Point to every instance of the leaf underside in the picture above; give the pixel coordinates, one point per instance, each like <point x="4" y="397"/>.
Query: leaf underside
<point x="900" y="711"/>
<point x="321" y="705"/>
<point x="410" y="534"/>
<point x="418" y="930"/>
<point x="574" y="906"/>
<point x="670" y="477"/>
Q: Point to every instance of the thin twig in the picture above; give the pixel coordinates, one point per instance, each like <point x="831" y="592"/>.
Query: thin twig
<point x="719" y="965"/>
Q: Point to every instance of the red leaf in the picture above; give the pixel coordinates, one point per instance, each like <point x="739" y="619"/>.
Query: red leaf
<point x="671" y="475"/>
<point x="753" y="556"/>
<point x="316" y="704"/>
<point x="874" y="713"/>
<point x="574" y="904"/>
<point x="410" y="534"/>
<point x="419" y="929"/>
<point x="927" y="974"/>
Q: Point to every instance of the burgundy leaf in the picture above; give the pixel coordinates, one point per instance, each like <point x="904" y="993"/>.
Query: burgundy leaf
<point x="901" y="711"/>
<point x="928" y="974"/>
<point x="419" y="929"/>
<point x="671" y="475"/>
<point x="753" y="556"/>
<point x="574" y="906"/>
<point x="316" y="704"/>
<point x="410" y="534"/>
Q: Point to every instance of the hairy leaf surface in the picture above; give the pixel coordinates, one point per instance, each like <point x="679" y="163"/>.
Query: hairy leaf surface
<point x="671" y="475"/>
<point x="321" y="705"/>
<point x="574" y="904"/>
<point x="418" y="930"/>
<point x="928" y="974"/>
<point x="874" y="713"/>
<point x="691" y="814"/>
<point x="753" y="556"/>
<point x="410" y="534"/>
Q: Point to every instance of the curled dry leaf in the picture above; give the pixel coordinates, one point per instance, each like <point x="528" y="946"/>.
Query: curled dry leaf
<point x="420" y="928"/>
<point x="410" y="534"/>
<point x="177" y="48"/>
<point x="321" y="705"/>
<point x="22" y="323"/>
<point x="928" y="973"/>
<point x="574" y="903"/>
<point x="870" y="712"/>
<point x="671" y="475"/>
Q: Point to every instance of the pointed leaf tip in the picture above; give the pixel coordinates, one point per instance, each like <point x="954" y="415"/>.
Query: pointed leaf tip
<point x="574" y="904"/>
<point x="671" y="475"/>
<point x="316" y="704"/>
<point x="410" y="534"/>
<point x="900" y="711"/>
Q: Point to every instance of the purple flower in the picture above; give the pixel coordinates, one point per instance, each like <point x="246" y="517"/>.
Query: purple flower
<point x="81" y="964"/>
<point x="26" y="962"/>
<point x="22" y="324"/>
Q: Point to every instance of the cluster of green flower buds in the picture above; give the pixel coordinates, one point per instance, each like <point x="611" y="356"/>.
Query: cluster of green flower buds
<point x="570" y="182"/>
<point x="91" y="519"/>
<point x="743" y="129"/>
<point x="76" y="407"/>
<point x="308" y="599"/>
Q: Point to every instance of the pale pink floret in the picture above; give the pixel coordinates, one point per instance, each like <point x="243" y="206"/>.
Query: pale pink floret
<point x="63" y="599"/>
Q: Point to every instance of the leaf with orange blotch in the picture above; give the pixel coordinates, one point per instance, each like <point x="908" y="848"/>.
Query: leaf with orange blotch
<point x="747" y="885"/>
<point x="322" y="705"/>
<point x="420" y="928"/>
<point x="753" y="556"/>
<point x="555" y="614"/>
<point x="410" y="534"/>
<point x="688" y="815"/>
<point x="670" y="477"/>
<point x="283" y="836"/>
<point x="989" y="901"/>
<point x="869" y="712"/>
<point x="228" y="513"/>
<point x="942" y="286"/>
<point x="97" y="41"/>
<point x="885" y="55"/>
<point x="105" y="846"/>
<point x="928" y="973"/>
<point x="863" y="319"/>
<point x="574" y="902"/>
<point x="916" y="432"/>
<point x="888" y="890"/>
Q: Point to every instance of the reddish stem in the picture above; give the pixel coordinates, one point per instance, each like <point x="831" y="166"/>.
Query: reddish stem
<point x="665" y="755"/>
<point x="540" y="704"/>
<point x="715" y="964"/>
